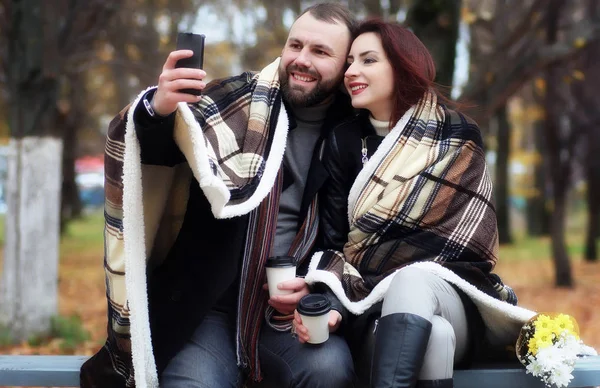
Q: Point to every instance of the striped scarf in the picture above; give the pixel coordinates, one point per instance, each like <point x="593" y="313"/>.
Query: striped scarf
<point x="252" y="304"/>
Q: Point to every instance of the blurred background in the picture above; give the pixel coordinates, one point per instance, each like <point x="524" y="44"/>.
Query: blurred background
<point x="527" y="71"/>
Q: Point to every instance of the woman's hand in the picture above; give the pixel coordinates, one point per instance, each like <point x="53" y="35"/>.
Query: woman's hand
<point x="335" y="319"/>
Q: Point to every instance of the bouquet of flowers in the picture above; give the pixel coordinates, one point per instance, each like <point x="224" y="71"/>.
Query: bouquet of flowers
<point x="548" y="346"/>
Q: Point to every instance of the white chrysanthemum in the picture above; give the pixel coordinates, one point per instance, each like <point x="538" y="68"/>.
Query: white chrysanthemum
<point x="585" y="350"/>
<point x="561" y="376"/>
<point x="535" y="368"/>
<point x="550" y="357"/>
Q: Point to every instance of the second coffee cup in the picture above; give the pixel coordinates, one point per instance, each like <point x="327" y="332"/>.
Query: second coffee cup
<point x="314" y="311"/>
<point x="280" y="269"/>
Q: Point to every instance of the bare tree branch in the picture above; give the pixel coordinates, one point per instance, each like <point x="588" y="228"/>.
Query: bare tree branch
<point x="140" y="68"/>
<point x="512" y="74"/>
<point x="90" y="17"/>
<point x="65" y="34"/>
<point x="524" y="26"/>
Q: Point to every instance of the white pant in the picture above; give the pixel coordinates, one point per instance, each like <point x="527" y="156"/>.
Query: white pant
<point x="419" y="292"/>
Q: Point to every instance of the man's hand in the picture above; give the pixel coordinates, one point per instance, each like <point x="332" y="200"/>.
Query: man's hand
<point x="171" y="80"/>
<point x="286" y="304"/>
<point x="335" y="319"/>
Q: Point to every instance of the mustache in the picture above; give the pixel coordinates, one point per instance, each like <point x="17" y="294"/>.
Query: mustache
<point x="293" y="67"/>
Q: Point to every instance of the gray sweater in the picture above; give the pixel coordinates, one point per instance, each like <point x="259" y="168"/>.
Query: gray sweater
<point x="298" y="154"/>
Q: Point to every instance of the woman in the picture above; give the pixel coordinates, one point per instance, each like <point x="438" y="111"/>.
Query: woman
<point x="409" y="218"/>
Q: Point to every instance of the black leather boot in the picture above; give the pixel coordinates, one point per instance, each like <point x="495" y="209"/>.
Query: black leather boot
<point x="400" y="344"/>
<point x="445" y="383"/>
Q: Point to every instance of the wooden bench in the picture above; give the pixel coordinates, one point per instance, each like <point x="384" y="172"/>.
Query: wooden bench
<point x="63" y="371"/>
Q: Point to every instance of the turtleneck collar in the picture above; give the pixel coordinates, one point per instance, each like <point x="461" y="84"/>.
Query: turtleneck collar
<point x="311" y="114"/>
<point x="381" y="127"/>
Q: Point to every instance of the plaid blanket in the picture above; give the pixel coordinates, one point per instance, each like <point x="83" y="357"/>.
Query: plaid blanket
<point x="233" y="141"/>
<point x="424" y="196"/>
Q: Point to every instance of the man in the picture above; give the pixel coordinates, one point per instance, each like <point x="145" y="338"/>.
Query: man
<point x="198" y="195"/>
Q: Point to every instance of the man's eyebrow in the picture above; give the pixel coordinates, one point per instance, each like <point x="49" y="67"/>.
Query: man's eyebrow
<point x="320" y="46"/>
<point x="324" y="47"/>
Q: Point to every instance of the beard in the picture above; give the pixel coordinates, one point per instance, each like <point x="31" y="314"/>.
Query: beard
<point x="298" y="96"/>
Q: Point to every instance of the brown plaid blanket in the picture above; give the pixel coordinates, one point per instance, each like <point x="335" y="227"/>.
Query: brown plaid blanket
<point x="226" y="139"/>
<point x="425" y="196"/>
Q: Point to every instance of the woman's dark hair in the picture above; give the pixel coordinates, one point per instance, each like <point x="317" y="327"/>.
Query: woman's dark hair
<point x="412" y="64"/>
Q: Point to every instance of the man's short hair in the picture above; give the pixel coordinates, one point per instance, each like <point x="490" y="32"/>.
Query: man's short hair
<point x="333" y="13"/>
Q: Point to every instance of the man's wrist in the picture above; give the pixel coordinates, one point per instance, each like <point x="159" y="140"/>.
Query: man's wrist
<point x="148" y="102"/>
<point x="148" y="106"/>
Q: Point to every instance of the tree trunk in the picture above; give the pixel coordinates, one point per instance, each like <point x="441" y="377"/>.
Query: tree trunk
<point x="562" y="263"/>
<point x="70" y="118"/>
<point x="28" y="297"/>
<point x="593" y="192"/>
<point x="538" y="216"/>
<point x="29" y="294"/>
<point x="559" y="169"/>
<point x="373" y="8"/>
<point x="592" y="164"/>
<point x="502" y="184"/>
<point x="71" y="206"/>
<point x="436" y="24"/>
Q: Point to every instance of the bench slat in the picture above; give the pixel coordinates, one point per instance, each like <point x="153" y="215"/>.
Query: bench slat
<point x="63" y="371"/>
<point x="29" y="371"/>
<point x="586" y="374"/>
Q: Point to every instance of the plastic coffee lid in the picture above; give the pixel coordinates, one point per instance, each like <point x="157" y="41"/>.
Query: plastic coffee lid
<point x="313" y="305"/>
<point x="281" y="261"/>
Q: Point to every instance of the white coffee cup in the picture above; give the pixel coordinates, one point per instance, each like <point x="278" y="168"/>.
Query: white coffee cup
<point x="280" y="269"/>
<point x="314" y="311"/>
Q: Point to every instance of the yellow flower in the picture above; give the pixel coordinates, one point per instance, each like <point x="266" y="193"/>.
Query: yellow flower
<point x="543" y="338"/>
<point x="543" y="322"/>
<point x="532" y="346"/>
<point x="563" y="322"/>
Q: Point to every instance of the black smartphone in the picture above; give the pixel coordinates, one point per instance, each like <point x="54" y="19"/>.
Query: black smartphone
<point x="194" y="42"/>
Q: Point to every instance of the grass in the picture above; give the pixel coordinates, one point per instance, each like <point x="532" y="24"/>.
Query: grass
<point x="5" y="338"/>
<point x="539" y="248"/>
<point x="81" y="293"/>
<point x="83" y="235"/>
<point x="524" y="248"/>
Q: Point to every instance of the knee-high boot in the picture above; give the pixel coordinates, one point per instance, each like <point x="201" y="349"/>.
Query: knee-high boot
<point x="400" y="344"/>
<point x="443" y="383"/>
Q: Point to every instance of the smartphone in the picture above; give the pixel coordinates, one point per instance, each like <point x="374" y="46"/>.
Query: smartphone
<point x="194" y="42"/>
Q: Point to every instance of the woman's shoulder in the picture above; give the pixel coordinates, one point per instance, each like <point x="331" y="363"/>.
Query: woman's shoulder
<point x="460" y="126"/>
<point x="455" y="116"/>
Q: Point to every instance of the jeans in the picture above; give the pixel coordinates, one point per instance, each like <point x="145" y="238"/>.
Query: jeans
<point x="208" y="360"/>
<point x="285" y="362"/>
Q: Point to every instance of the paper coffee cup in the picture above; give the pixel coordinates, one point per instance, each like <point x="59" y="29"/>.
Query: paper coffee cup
<point x="314" y="311"/>
<point x="280" y="269"/>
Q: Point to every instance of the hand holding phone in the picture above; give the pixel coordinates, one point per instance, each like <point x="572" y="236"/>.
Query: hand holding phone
<point x="194" y="42"/>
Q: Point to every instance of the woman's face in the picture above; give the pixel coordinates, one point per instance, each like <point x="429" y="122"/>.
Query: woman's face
<point x="369" y="78"/>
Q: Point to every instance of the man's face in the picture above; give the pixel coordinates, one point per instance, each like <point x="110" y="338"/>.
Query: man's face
<point x="313" y="60"/>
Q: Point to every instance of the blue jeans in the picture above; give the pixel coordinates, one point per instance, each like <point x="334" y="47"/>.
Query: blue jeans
<point x="208" y="360"/>
<point x="285" y="362"/>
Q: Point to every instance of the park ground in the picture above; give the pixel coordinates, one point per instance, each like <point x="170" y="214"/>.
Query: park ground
<point x="525" y="265"/>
